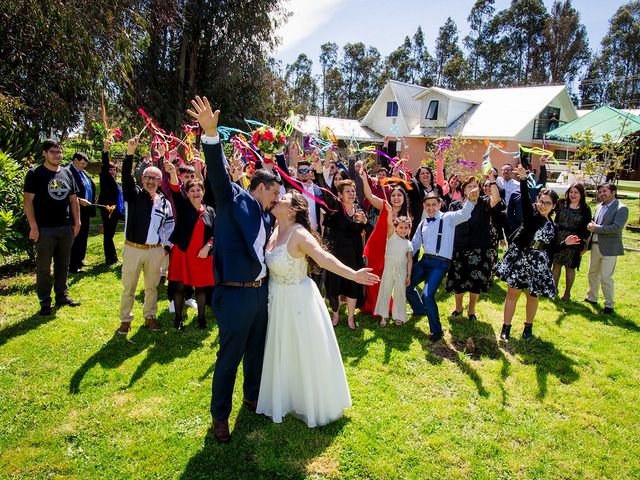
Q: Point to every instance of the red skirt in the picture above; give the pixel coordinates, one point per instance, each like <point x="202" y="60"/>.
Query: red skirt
<point x="187" y="267"/>
<point x="374" y="251"/>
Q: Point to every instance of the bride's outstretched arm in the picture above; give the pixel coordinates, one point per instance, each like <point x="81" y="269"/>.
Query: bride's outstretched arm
<point x="302" y="241"/>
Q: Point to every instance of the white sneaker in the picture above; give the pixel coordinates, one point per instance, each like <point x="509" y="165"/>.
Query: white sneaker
<point x="172" y="307"/>
<point x="191" y="303"/>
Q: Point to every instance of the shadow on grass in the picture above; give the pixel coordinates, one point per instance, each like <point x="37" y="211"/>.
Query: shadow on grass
<point x="593" y="314"/>
<point x="260" y="449"/>
<point x="484" y="340"/>
<point x="485" y="345"/>
<point x="25" y="326"/>
<point x="547" y="359"/>
<point x="353" y="343"/>
<point x="162" y="348"/>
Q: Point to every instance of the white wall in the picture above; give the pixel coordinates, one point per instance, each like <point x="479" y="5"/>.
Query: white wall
<point x="377" y="117"/>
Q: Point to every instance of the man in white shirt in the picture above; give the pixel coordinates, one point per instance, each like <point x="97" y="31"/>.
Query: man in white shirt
<point x="507" y="182"/>
<point x="435" y="234"/>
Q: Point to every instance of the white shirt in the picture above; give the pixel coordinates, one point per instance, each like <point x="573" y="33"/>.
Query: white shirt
<point x="161" y="223"/>
<point x="261" y="240"/>
<point x="601" y="214"/>
<point x="328" y="178"/>
<point x="427" y="233"/>
<point x="313" y="214"/>
<point x="509" y="187"/>
<point x="258" y="247"/>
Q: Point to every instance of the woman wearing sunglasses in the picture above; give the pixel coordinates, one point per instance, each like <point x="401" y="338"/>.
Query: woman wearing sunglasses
<point x="526" y="265"/>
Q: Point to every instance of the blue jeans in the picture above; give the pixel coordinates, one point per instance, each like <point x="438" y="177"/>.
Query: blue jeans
<point x="431" y="271"/>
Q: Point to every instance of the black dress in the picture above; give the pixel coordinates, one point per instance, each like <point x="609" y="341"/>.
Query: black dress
<point x="571" y="221"/>
<point x="343" y="237"/>
<point x="526" y="265"/>
<point x="475" y="250"/>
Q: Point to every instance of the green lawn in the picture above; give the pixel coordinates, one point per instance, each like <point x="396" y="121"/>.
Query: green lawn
<point x="78" y="401"/>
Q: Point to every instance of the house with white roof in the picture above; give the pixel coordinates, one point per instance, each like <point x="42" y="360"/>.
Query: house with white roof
<point x="508" y="116"/>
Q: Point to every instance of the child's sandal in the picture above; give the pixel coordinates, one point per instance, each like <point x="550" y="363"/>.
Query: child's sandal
<point x="399" y="323"/>
<point x="382" y="322"/>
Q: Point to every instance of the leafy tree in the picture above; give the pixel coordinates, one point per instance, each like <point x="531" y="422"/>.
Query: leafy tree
<point x="200" y="48"/>
<point x="523" y="26"/>
<point x="56" y="55"/>
<point x="479" y="40"/>
<point x="328" y="61"/>
<point x="353" y="55"/>
<point x="614" y="74"/>
<point x="446" y="48"/>
<point x="456" y="74"/>
<point x="302" y="85"/>
<point x="399" y="65"/>
<point x="566" y="44"/>
<point x="335" y="93"/>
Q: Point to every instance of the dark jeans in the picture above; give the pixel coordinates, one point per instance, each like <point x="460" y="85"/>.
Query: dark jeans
<point x="431" y="270"/>
<point x="242" y="321"/>
<point x="109" y="226"/>
<point x="79" y="248"/>
<point x="53" y="244"/>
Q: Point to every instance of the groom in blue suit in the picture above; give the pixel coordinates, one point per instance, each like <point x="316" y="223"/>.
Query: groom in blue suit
<point x="243" y="226"/>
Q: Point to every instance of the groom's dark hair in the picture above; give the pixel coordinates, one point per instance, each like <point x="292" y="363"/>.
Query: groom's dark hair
<point x="264" y="177"/>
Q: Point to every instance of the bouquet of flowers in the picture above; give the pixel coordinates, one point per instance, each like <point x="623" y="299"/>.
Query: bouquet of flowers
<point x="102" y="133"/>
<point x="268" y="139"/>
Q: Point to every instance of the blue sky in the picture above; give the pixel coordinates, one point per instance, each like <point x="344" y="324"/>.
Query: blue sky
<point x="384" y="24"/>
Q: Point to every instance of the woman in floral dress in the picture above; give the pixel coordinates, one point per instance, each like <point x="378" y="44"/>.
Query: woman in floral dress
<point x="526" y="265"/>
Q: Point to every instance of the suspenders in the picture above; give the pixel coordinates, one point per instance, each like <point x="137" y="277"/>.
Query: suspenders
<point x="439" y="241"/>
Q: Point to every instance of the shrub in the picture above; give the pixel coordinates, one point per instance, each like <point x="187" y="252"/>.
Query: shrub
<point x="13" y="223"/>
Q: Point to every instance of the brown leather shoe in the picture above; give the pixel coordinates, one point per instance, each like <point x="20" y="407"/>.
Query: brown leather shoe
<point x="220" y="429"/>
<point x="152" y="325"/>
<point x="124" y="329"/>
<point x="250" y="404"/>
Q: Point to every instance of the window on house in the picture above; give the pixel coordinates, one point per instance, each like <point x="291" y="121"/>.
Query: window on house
<point x="432" y="111"/>
<point x="392" y="109"/>
<point x="563" y="155"/>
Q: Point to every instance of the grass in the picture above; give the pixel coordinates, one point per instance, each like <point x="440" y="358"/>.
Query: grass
<point x="79" y="402"/>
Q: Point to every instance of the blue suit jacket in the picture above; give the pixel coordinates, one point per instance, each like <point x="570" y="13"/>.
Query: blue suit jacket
<point x="238" y="217"/>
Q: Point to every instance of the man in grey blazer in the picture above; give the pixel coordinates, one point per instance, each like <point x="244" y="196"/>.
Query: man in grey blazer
<point x="606" y="245"/>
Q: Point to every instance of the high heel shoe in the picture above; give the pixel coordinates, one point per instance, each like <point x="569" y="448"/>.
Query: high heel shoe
<point x="351" y="323"/>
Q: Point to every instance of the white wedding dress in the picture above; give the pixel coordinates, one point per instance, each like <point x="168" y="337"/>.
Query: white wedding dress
<point x="302" y="372"/>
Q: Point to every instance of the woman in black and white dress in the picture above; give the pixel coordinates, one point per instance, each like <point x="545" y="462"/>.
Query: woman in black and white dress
<point x="526" y="265"/>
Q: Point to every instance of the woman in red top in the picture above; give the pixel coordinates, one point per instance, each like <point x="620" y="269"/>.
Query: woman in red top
<point x="191" y="260"/>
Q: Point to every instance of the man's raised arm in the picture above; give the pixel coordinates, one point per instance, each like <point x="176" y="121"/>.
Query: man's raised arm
<point x="217" y="176"/>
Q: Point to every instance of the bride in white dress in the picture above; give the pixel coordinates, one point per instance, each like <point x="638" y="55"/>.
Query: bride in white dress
<point x="302" y="373"/>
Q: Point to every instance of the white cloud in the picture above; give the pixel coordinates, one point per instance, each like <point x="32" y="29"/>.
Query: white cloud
<point x="307" y="17"/>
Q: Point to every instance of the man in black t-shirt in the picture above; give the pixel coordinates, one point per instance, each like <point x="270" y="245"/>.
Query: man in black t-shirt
<point x="51" y="206"/>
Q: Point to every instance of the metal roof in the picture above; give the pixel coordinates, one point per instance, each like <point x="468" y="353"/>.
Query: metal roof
<point x="408" y="106"/>
<point x="343" y="128"/>
<point x="617" y="124"/>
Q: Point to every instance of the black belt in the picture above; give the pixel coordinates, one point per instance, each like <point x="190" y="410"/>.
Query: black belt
<point x="254" y="284"/>
<point x="439" y="257"/>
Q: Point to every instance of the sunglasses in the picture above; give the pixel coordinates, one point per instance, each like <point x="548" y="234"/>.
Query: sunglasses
<point x="304" y="170"/>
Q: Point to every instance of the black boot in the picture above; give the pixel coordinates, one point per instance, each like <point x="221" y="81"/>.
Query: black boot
<point x="177" y="323"/>
<point x="506" y="331"/>
<point x="527" y="330"/>
<point x="202" y="323"/>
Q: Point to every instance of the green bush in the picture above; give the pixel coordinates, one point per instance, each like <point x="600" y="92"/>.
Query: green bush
<point x="13" y="222"/>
